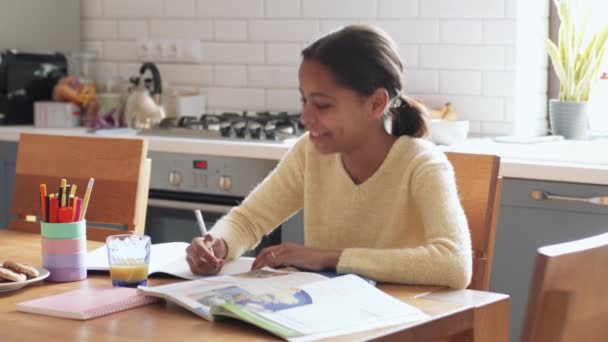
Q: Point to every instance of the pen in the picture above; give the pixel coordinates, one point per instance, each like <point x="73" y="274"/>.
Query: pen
<point x="64" y="184"/>
<point x="85" y="201"/>
<point x="201" y="226"/>
<point x="43" y="202"/>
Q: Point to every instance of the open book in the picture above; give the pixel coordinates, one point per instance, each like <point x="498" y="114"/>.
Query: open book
<point x="168" y="258"/>
<point x="292" y="305"/>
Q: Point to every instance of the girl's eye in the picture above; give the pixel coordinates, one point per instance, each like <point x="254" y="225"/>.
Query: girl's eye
<point x="302" y="100"/>
<point x="322" y="106"/>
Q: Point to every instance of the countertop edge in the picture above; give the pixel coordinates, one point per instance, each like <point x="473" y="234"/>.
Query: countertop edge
<point x="509" y="167"/>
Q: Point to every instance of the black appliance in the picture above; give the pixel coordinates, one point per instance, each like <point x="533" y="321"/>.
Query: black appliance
<point x="26" y="78"/>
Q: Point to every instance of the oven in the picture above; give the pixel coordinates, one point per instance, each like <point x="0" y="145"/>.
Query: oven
<point x="181" y="183"/>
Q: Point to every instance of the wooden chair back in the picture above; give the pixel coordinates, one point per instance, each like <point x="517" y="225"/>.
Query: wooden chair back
<point x="568" y="299"/>
<point x="119" y="166"/>
<point x="479" y="188"/>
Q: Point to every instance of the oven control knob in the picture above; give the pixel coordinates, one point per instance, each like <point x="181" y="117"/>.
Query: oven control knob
<point x="225" y="183"/>
<point x="175" y="178"/>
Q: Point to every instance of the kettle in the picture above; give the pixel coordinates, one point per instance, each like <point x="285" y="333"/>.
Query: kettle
<point x="143" y="107"/>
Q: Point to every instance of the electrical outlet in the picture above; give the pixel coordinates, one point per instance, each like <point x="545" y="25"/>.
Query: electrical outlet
<point x="169" y="50"/>
<point x="190" y="51"/>
<point x="144" y="49"/>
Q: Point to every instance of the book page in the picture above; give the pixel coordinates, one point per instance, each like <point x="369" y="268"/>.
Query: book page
<point x="342" y="305"/>
<point x="200" y="295"/>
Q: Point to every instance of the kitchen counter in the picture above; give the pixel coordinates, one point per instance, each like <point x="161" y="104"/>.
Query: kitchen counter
<point x="565" y="161"/>
<point x="257" y="150"/>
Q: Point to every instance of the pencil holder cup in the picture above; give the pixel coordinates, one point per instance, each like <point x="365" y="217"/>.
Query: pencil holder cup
<point x="64" y="250"/>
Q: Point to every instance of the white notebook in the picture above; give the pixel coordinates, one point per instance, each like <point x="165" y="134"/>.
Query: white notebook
<point x="168" y="258"/>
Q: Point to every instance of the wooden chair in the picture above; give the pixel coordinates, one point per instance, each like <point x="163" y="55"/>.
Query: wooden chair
<point x="119" y="166"/>
<point x="479" y="188"/>
<point x="568" y="298"/>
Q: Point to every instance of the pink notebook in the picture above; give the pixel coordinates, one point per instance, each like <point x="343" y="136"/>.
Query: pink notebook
<point x="87" y="303"/>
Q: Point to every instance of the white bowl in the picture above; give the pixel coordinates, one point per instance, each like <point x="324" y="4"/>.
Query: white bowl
<point x="445" y="132"/>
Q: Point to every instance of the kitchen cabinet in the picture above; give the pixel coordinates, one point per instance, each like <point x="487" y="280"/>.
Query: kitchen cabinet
<point x="526" y="224"/>
<point x="8" y="157"/>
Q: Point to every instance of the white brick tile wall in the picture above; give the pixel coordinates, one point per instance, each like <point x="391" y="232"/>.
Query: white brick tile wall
<point x="397" y="8"/>
<point x="409" y="31"/>
<point x="511" y="8"/>
<point x="287" y="53"/>
<point x="283" y="30"/>
<point x="181" y="29"/>
<point x="339" y="8"/>
<point x="282" y="8"/>
<point x="133" y="8"/>
<point x="460" y="51"/>
<point x="498" y="83"/>
<point x="461" y="31"/>
<point x="230" y="8"/>
<point x="478" y="108"/>
<point x="282" y="99"/>
<point x="330" y="25"/>
<point x="273" y="76"/>
<point x="132" y="29"/>
<point x="409" y="56"/>
<point x="460" y="82"/>
<point x="230" y="30"/>
<point x="499" y="32"/>
<point x="496" y="128"/>
<point x="422" y="81"/>
<point x="230" y="75"/>
<point x="462" y="57"/>
<point x="462" y="8"/>
<point x="233" y="53"/>
<point x="103" y="70"/>
<point x="95" y="47"/>
<point x="98" y="29"/>
<point x="119" y="51"/>
<point x="180" y="8"/>
<point x="235" y="98"/>
<point x="90" y="8"/>
<point x="186" y="74"/>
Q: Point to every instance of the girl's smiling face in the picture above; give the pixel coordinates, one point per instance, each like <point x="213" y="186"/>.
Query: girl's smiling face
<point x="338" y="119"/>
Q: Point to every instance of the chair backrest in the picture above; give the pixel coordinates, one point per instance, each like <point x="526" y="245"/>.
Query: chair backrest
<point x="119" y="166"/>
<point x="568" y="299"/>
<point x="479" y="188"/>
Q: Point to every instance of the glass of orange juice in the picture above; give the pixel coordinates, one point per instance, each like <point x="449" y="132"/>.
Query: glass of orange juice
<point x="129" y="256"/>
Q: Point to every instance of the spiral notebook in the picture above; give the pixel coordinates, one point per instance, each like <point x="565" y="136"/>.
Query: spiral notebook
<point x="87" y="303"/>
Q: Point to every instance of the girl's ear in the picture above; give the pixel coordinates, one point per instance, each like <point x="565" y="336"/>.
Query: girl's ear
<point x="379" y="102"/>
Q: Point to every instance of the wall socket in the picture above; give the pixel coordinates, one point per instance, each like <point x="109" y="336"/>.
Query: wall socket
<point x="169" y="50"/>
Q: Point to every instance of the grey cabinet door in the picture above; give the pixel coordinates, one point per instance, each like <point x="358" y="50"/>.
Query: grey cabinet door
<point x="525" y="225"/>
<point x="8" y="157"/>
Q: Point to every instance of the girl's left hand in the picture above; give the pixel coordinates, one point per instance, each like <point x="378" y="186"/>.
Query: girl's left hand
<point x="291" y="254"/>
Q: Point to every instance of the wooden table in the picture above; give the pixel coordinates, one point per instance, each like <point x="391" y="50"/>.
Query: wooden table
<point x="457" y="315"/>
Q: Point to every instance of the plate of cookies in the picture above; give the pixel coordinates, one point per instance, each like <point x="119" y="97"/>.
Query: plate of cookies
<point x="15" y="275"/>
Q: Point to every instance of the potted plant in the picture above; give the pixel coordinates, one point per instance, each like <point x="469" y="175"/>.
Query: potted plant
<point x="576" y="60"/>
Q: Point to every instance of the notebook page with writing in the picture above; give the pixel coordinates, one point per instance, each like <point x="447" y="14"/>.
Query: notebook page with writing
<point x="169" y="258"/>
<point x="86" y="303"/>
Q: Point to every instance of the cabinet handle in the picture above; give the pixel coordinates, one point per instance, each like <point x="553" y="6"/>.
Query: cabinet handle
<point x="540" y="195"/>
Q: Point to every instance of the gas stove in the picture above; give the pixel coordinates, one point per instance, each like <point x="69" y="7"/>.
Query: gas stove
<point x="250" y="126"/>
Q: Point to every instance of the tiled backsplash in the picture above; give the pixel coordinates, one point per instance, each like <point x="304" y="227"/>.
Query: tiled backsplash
<point x="463" y="51"/>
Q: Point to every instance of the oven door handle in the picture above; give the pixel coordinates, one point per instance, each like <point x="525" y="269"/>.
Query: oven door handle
<point x="182" y="205"/>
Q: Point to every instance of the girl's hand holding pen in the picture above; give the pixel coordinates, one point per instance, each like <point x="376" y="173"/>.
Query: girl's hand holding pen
<point x="205" y="255"/>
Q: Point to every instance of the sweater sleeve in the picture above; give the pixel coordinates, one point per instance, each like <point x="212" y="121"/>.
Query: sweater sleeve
<point x="271" y="202"/>
<point x="445" y="258"/>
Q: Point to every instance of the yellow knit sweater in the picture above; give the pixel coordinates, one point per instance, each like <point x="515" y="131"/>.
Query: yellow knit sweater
<point x="404" y="224"/>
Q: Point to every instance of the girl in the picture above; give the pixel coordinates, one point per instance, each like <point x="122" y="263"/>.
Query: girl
<point x="376" y="203"/>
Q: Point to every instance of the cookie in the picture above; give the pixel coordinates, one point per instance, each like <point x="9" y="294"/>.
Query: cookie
<point x="29" y="271"/>
<point x="7" y="274"/>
